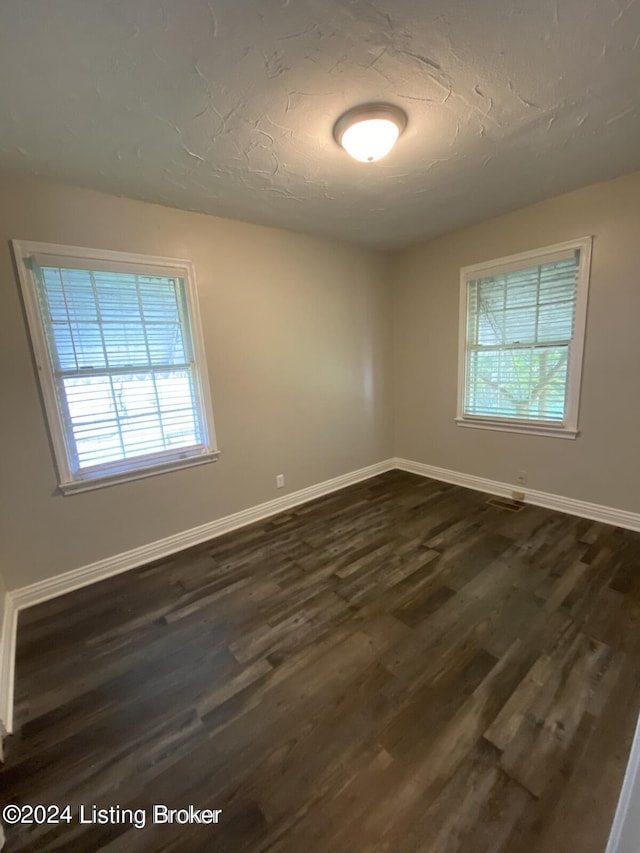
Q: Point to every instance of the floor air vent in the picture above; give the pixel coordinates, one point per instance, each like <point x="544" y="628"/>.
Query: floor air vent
<point x="505" y="503"/>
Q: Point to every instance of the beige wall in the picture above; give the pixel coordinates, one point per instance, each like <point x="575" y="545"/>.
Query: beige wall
<point x="308" y="376"/>
<point x="603" y="464"/>
<point x="297" y="332"/>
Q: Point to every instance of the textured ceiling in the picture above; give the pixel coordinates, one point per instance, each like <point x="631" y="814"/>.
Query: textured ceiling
<point x="227" y="106"/>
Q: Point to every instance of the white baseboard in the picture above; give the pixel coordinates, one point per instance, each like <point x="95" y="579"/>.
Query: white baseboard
<point x="36" y="593"/>
<point x="41" y="591"/>
<point x="7" y="663"/>
<point x="595" y="512"/>
<point x="623" y="837"/>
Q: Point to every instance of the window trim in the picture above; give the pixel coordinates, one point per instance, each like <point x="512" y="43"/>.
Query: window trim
<point x="535" y="257"/>
<point x="84" y="257"/>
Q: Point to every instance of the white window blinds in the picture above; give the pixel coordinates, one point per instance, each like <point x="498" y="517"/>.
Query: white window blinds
<point x="519" y="330"/>
<point x="121" y="362"/>
<point x="122" y="356"/>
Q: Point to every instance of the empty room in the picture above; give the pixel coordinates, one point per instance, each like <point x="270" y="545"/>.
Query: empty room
<point x="319" y="334"/>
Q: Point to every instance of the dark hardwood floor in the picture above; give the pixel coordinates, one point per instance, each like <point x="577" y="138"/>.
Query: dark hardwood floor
<point x="399" y="666"/>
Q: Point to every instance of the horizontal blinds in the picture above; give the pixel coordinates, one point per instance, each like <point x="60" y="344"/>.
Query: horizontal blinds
<point x="519" y="331"/>
<point x="122" y="357"/>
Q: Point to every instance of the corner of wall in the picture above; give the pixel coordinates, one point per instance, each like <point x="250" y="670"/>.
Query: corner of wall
<point x="394" y="258"/>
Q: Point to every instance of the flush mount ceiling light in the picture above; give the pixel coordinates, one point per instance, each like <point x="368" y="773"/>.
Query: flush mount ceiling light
<point x="370" y="131"/>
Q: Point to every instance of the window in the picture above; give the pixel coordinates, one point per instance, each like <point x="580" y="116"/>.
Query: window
<point x="121" y="361"/>
<point x="522" y="322"/>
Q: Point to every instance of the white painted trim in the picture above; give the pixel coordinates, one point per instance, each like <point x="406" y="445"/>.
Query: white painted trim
<point x="107" y="474"/>
<point x="41" y="591"/>
<point x="36" y="593"/>
<point x="619" y="842"/>
<point x="619" y="838"/>
<point x="44" y="590"/>
<point x="528" y="428"/>
<point x="536" y="257"/>
<point x="7" y="662"/>
<point x="146" y="264"/>
<point x="509" y="263"/>
<point x="595" y="512"/>
<point x="139" y="473"/>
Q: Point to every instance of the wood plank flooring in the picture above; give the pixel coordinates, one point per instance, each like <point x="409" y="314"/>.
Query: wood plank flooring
<point x="395" y="667"/>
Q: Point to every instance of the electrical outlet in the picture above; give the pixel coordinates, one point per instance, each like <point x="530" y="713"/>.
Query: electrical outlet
<point x="522" y="478"/>
<point x="280" y="481"/>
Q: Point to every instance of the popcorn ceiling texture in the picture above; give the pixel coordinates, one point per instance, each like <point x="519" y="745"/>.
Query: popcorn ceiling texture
<point x="228" y="107"/>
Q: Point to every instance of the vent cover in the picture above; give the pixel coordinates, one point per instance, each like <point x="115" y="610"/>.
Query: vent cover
<point x="505" y="503"/>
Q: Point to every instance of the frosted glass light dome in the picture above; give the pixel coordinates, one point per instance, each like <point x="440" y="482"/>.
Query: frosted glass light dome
<point x="370" y="131"/>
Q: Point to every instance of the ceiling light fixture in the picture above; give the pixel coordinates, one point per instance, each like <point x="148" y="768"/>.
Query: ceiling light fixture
<point x="370" y="131"/>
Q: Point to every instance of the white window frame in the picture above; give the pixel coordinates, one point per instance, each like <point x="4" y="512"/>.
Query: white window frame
<point x="569" y="427"/>
<point x="98" y="259"/>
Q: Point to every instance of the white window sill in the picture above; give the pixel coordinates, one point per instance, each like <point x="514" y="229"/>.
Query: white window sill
<point x="527" y="428"/>
<point x="102" y="482"/>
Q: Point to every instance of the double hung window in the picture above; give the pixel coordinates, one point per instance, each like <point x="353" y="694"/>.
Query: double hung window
<point x="121" y="362"/>
<point x="522" y="324"/>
